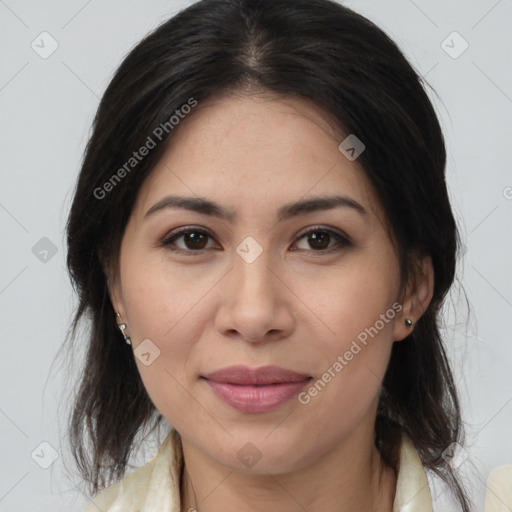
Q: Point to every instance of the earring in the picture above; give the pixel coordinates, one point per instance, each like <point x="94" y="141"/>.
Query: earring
<point x="408" y="322"/>
<point x="122" y="327"/>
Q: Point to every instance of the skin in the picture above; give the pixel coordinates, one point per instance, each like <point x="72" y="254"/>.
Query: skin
<point x="295" y="306"/>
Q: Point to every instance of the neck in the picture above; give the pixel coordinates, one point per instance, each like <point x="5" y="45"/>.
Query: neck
<point x="350" y="478"/>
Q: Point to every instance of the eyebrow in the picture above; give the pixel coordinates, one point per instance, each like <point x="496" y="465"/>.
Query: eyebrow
<point x="285" y="212"/>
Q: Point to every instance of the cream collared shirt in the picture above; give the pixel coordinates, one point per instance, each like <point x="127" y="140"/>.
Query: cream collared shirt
<point x="155" y="487"/>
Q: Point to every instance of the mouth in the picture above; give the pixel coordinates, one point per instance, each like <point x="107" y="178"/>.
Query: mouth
<point x="256" y="390"/>
<point x="264" y="375"/>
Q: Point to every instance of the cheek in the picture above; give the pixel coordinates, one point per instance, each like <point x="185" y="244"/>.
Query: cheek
<point x="167" y="378"/>
<point x="164" y="308"/>
<point x="358" y="309"/>
<point x="161" y="296"/>
<point x="344" y="390"/>
<point x="350" y="299"/>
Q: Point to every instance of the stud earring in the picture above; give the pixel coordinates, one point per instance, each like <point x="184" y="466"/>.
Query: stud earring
<point x="408" y="322"/>
<point x="122" y="328"/>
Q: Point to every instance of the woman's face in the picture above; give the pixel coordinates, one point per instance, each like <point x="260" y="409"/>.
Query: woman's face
<point x="252" y="288"/>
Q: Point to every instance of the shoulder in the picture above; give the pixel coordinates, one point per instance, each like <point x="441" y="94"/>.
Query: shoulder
<point x="155" y="483"/>
<point x="130" y="489"/>
<point x="412" y="486"/>
<point x="498" y="495"/>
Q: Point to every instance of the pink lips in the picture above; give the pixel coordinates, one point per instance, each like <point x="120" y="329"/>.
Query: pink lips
<point x="256" y="390"/>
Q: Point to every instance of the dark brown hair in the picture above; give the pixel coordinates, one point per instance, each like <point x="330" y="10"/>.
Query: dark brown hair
<point x="313" y="49"/>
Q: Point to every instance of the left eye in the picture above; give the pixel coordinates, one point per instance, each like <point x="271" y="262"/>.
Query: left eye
<point x="319" y="240"/>
<point x="196" y="240"/>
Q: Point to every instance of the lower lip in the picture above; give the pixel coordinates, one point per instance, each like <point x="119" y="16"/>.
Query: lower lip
<point x="256" y="398"/>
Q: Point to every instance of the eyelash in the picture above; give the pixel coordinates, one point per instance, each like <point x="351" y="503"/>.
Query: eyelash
<point x="169" y="240"/>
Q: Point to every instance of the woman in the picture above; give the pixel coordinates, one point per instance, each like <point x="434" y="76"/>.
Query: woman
<point x="262" y="216"/>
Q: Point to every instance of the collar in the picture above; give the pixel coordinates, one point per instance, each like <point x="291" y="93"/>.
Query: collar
<point x="156" y="485"/>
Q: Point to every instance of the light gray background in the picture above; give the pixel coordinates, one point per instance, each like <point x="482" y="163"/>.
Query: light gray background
<point x="47" y="106"/>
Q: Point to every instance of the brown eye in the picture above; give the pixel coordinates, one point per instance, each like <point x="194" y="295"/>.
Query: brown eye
<point x="192" y="240"/>
<point x="195" y="240"/>
<point x="320" y="240"/>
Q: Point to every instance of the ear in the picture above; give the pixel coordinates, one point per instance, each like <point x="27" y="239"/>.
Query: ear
<point x="115" y="294"/>
<point x="113" y="286"/>
<point x="416" y="298"/>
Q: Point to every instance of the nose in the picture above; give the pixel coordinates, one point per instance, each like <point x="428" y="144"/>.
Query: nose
<point x="256" y="302"/>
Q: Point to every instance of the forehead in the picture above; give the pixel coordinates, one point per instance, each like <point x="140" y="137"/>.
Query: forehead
<point x="259" y="150"/>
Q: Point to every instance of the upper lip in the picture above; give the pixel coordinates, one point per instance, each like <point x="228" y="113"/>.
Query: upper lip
<point x="244" y="375"/>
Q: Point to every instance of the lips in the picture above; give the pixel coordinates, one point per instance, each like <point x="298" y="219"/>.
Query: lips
<point x="256" y="390"/>
<point x="265" y="375"/>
